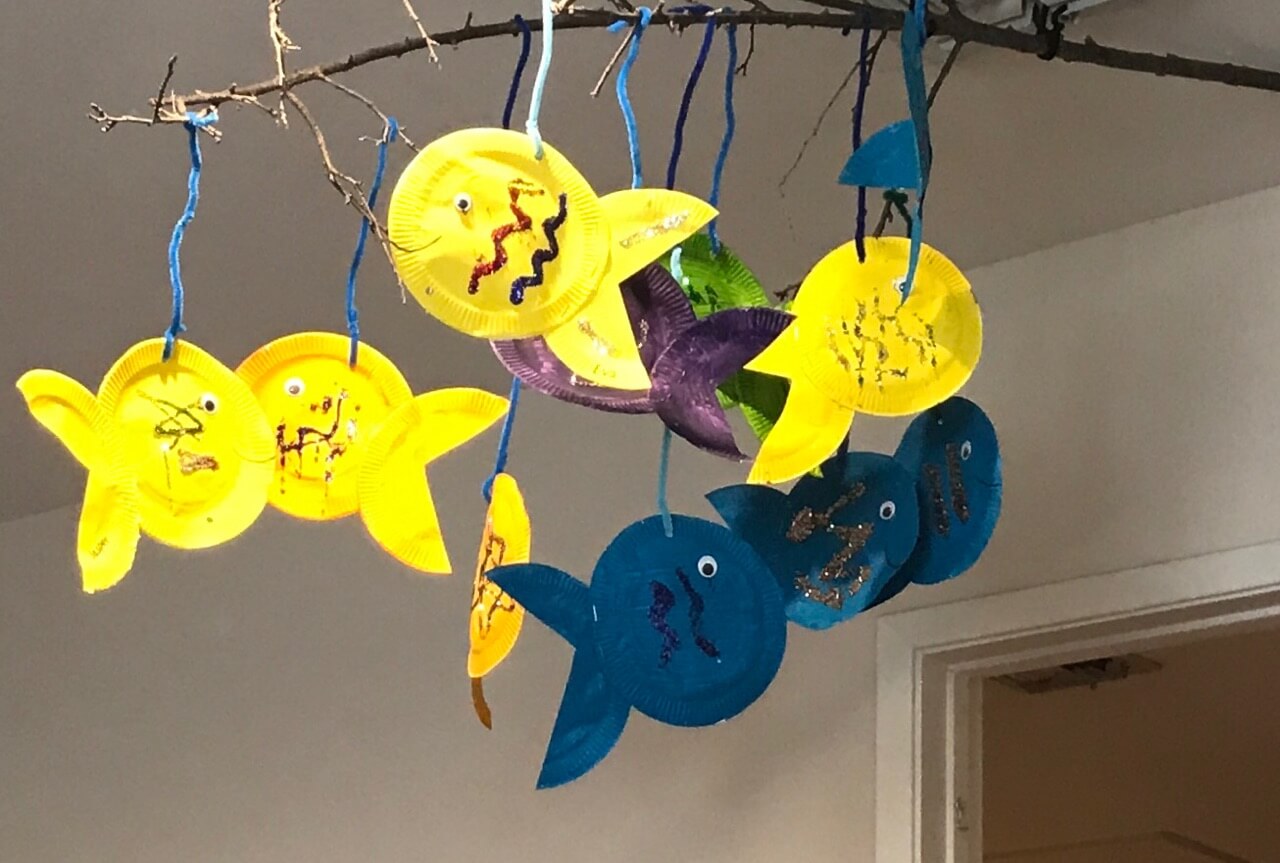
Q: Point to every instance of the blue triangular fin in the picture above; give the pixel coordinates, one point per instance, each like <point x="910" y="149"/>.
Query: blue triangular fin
<point x="889" y="159"/>
<point x="556" y="598"/>
<point x="590" y="721"/>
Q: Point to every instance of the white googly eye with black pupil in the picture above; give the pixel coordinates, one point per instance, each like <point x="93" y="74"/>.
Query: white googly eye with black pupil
<point x="295" y="386"/>
<point x="209" y="403"/>
<point x="966" y="450"/>
<point x="887" y="509"/>
<point x="707" y="566"/>
<point x="462" y="202"/>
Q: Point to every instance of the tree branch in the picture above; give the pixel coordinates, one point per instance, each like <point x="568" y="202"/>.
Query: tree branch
<point x="847" y="15"/>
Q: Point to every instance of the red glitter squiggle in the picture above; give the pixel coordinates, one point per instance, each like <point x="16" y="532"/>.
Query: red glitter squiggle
<point x="522" y="223"/>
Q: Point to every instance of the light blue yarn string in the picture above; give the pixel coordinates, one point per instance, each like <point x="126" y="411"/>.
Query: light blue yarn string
<point x="664" y="461"/>
<point x="731" y="72"/>
<point x="513" y="398"/>
<point x="194" y="123"/>
<point x="624" y="98"/>
<point x="353" y="314"/>
<point x="540" y="80"/>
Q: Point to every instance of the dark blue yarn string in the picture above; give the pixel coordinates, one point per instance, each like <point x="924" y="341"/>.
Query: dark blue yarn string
<point x="353" y="314"/>
<point x="864" y="81"/>
<point x="504" y="439"/>
<point x="677" y="143"/>
<point x="731" y="72"/>
<point x="193" y="125"/>
<point x="624" y="98"/>
<point x="526" y="42"/>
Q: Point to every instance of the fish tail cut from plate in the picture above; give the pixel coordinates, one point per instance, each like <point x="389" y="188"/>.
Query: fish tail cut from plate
<point x="396" y="504"/>
<point x="809" y="429"/>
<point x="645" y="224"/>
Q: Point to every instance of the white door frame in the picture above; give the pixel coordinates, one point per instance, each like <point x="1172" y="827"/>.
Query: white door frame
<point x="930" y="663"/>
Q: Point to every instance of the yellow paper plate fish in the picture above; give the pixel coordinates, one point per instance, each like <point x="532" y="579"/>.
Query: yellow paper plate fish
<point x="176" y="449"/>
<point x="856" y="345"/>
<point x="496" y="617"/>
<point x="323" y="411"/>
<point x="395" y="497"/>
<point x="501" y="245"/>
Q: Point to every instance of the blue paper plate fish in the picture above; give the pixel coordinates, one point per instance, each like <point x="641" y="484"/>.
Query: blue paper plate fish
<point x="835" y="540"/>
<point x="952" y="452"/>
<point x="687" y="629"/>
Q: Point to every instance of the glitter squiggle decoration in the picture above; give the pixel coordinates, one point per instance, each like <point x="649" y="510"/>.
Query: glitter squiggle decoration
<point x="542" y="257"/>
<point x="522" y="223"/>
<point x="663" y="601"/>
<point x="696" y="607"/>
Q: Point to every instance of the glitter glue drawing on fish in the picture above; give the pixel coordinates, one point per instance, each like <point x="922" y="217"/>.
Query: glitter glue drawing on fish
<point x="834" y="541"/>
<point x="177" y="449"/>
<point x="686" y="627"/>
<point x="686" y="358"/>
<point x="500" y="244"/>
<point x="953" y="455"/>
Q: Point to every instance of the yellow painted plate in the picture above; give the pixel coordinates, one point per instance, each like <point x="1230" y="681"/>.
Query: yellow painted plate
<point x="475" y="217"/>
<point x="323" y="412"/>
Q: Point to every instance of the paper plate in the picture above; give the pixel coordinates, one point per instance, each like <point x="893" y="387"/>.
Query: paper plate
<point x="691" y="628"/>
<point x="395" y="498"/>
<point x="808" y="430"/>
<point x="496" y="618"/>
<point x="195" y="439"/>
<point x="494" y="242"/>
<point x="714" y="282"/>
<point x="323" y="411"/>
<point x="864" y="348"/>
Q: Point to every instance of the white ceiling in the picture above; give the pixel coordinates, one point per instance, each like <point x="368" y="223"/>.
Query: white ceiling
<point x="1029" y="155"/>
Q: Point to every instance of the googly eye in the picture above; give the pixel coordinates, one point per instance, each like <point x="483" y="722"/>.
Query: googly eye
<point x="462" y="202"/>
<point x="707" y="566"/>
<point x="887" y="510"/>
<point x="295" y="386"/>
<point x="209" y="403"/>
<point x="966" y="450"/>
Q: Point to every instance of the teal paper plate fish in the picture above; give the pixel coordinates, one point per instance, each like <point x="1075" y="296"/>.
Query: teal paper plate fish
<point x="688" y="629"/>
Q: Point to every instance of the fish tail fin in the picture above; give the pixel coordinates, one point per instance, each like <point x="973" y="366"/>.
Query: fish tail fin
<point x="699" y="360"/>
<point x="590" y="721"/>
<point x="889" y="159"/>
<point x="67" y="409"/>
<point x="109" y="528"/>
<point x="646" y="223"/>
<point x="396" y="505"/>
<point x="809" y="430"/>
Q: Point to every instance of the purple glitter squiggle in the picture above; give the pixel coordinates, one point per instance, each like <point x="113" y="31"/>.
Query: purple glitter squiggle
<point x="696" y="607"/>
<point x="541" y="257"/>
<point x="663" y="601"/>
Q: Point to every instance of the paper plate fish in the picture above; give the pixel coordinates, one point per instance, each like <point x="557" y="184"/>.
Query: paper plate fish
<point x="496" y="618"/>
<point x="855" y="344"/>
<point x="718" y="280"/>
<point x="176" y="449"/>
<point x="835" y="540"/>
<point x="501" y="245"/>
<point x="952" y="452"/>
<point x="687" y="629"/>
<point x="323" y="411"/>
<point x="686" y="359"/>
<point x="396" y="505"/>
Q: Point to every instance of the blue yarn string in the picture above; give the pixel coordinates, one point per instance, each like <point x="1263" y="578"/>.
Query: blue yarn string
<point x="526" y="42"/>
<point x="664" y="461"/>
<point x="504" y="440"/>
<point x="864" y="81"/>
<point x="686" y="100"/>
<point x="677" y="270"/>
<point x="730" y="73"/>
<point x="624" y="98"/>
<point x="540" y="80"/>
<point x="353" y="314"/>
<point x="193" y="125"/>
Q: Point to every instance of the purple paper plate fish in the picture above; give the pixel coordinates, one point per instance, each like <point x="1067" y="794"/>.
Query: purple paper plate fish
<point x="686" y="359"/>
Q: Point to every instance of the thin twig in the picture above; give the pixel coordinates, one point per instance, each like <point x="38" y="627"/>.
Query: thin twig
<point x="164" y="85"/>
<point x="280" y="43"/>
<point x="817" y="127"/>
<point x="422" y="31"/>
<point x="613" y="61"/>
<point x="106" y="122"/>
<point x="371" y="105"/>
<point x="751" y="52"/>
